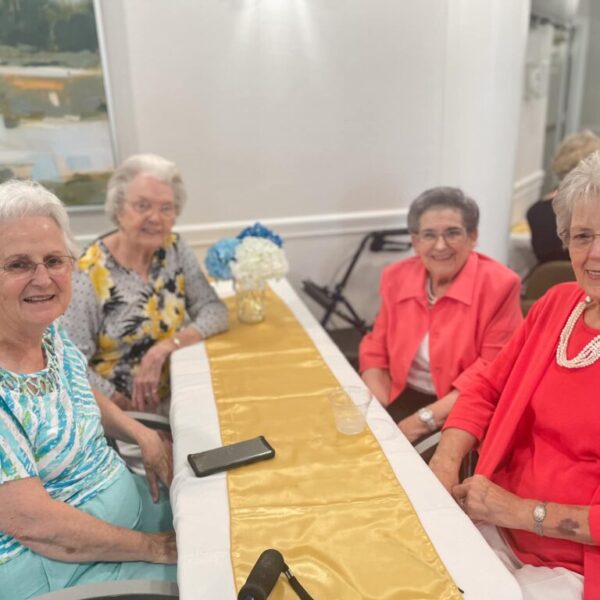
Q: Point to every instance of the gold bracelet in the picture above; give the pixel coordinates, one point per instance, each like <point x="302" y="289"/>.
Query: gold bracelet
<point x="177" y="342"/>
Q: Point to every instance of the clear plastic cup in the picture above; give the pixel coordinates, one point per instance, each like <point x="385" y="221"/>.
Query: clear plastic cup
<point x="349" y="405"/>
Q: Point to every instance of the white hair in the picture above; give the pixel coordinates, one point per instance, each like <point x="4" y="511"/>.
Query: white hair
<point x="20" y="199"/>
<point x="151" y="165"/>
<point x="582" y="184"/>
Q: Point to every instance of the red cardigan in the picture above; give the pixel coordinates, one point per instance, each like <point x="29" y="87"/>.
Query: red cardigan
<point x="467" y="326"/>
<point x="493" y="404"/>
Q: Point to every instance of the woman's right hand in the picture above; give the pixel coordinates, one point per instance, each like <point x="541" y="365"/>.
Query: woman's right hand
<point x="163" y="547"/>
<point x="158" y="460"/>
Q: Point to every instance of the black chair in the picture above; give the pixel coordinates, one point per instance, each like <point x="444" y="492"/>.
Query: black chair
<point x="134" y="459"/>
<point x="541" y="278"/>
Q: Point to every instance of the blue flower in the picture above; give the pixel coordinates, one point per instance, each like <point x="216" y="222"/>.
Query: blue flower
<point x="260" y="231"/>
<point x="219" y="256"/>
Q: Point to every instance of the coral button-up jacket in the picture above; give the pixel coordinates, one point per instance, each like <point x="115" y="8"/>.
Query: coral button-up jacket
<point x="467" y="326"/>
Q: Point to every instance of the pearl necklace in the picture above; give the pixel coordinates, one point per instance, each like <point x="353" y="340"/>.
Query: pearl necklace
<point x="589" y="354"/>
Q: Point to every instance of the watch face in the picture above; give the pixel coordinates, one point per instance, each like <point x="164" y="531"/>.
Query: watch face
<point x="539" y="513"/>
<point x="425" y="414"/>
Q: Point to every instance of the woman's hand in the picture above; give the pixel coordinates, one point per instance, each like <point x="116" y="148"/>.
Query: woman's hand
<point x="158" y="460"/>
<point x="485" y="501"/>
<point x="147" y="378"/>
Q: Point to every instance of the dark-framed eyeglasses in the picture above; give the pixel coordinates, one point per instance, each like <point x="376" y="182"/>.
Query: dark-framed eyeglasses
<point x="453" y="236"/>
<point x="23" y="266"/>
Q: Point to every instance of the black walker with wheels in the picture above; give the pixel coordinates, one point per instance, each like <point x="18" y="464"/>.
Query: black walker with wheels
<point x="335" y="302"/>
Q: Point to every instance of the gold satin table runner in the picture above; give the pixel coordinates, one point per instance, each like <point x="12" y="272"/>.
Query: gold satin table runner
<point x="329" y="503"/>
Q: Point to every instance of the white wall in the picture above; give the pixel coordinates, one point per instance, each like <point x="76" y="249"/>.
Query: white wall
<point x="590" y="113"/>
<point x="323" y="119"/>
<point x="529" y="173"/>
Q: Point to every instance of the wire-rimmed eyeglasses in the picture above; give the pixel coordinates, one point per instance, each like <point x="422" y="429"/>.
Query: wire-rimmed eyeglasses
<point x="580" y="240"/>
<point x="453" y="236"/>
<point x="21" y="266"/>
<point x="144" y="207"/>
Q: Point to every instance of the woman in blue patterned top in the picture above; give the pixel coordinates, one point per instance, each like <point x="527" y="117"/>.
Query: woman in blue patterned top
<point x="135" y="287"/>
<point x="71" y="511"/>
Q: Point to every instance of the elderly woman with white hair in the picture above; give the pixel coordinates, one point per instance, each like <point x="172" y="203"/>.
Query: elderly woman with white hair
<point x="71" y="511"/>
<point x="136" y="285"/>
<point x="536" y="491"/>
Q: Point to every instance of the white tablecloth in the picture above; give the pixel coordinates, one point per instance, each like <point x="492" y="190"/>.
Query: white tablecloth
<point x="200" y="506"/>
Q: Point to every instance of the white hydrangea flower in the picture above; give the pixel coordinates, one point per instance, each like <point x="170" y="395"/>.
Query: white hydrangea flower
<point x="258" y="259"/>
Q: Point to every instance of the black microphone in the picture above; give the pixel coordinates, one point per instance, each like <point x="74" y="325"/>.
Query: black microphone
<point x="263" y="577"/>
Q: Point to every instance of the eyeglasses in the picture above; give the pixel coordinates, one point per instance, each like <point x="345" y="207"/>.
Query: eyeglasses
<point x="580" y="241"/>
<point x="55" y="265"/>
<point x="144" y="207"/>
<point x="453" y="236"/>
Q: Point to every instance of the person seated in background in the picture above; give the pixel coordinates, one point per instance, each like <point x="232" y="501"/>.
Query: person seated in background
<point x="545" y="242"/>
<point x="71" y="511"/>
<point x="536" y="490"/>
<point x="136" y="284"/>
<point x="445" y="313"/>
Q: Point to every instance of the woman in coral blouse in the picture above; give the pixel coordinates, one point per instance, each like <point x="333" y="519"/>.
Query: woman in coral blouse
<point x="445" y="313"/>
<point x="536" y="491"/>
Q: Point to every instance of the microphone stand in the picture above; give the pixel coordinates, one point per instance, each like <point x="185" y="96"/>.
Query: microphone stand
<point x="300" y="591"/>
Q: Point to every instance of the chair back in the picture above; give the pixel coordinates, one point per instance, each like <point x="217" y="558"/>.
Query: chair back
<point x="542" y="278"/>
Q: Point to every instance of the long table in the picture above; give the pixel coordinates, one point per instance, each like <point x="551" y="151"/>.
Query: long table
<point x="201" y="509"/>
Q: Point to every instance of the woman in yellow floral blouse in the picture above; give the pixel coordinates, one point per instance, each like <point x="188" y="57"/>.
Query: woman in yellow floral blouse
<point x="139" y="294"/>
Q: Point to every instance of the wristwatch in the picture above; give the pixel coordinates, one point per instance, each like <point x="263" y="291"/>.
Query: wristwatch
<point x="539" y="514"/>
<point x="426" y="416"/>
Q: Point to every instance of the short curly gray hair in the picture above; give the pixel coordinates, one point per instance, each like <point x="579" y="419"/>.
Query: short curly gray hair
<point x="444" y="197"/>
<point x="20" y="199"/>
<point x="142" y="164"/>
<point x="582" y="184"/>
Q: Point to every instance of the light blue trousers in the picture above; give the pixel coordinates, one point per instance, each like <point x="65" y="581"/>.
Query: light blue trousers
<point x="127" y="503"/>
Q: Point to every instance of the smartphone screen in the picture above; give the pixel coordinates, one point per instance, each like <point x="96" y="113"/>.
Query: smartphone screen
<point x="228" y="457"/>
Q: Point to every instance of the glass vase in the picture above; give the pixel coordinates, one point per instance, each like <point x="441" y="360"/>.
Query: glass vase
<point x="250" y="301"/>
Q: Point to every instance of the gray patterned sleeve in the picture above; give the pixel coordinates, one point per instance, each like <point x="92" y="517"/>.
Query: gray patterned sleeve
<point x="82" y="323"/>
<point x="207" y="312"/>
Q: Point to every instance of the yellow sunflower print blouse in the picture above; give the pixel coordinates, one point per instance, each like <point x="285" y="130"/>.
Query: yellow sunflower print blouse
<point x="115" y="315"/>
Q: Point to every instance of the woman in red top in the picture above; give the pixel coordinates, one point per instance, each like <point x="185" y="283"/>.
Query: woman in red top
<point x="444" y="314"/>
<point x="534" y="412"/>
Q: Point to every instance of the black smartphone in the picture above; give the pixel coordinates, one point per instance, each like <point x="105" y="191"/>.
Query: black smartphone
<point x="231" y="456"/>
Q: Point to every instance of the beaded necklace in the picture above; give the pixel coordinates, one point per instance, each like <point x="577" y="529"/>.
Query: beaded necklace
<point x="589" y="354"/>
